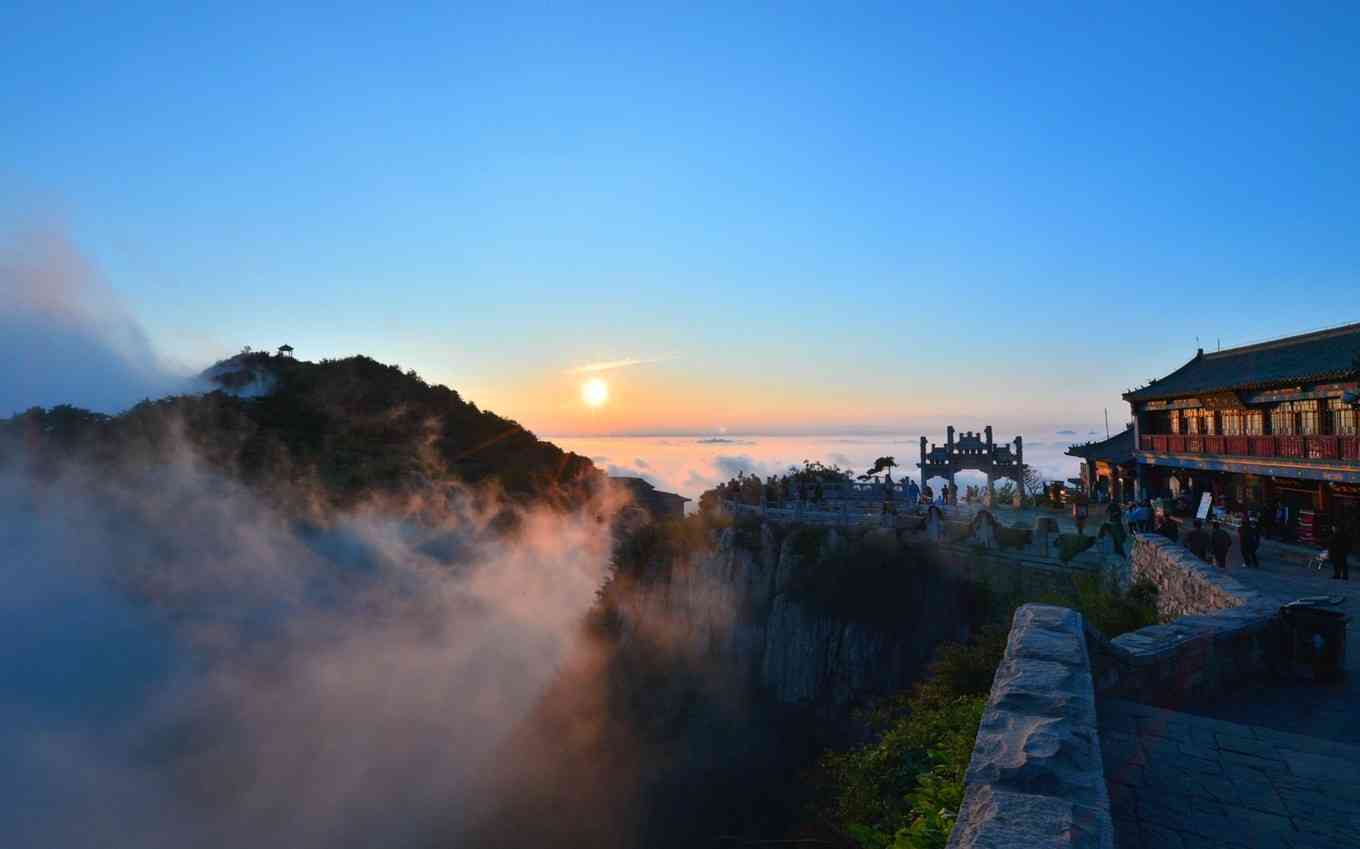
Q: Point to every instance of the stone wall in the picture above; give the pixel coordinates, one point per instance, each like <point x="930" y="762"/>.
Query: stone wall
<point x="1221" y="636"/>
<point x="1186" y="585"/>
<point x="1036" y="778"/>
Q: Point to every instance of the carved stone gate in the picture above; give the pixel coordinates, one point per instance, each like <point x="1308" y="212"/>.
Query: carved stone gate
<point x="971" y="452"/>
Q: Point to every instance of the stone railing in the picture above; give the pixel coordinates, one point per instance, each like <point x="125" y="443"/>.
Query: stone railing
<point x="1221" y="634"/>
<point x="1036" y="778"/>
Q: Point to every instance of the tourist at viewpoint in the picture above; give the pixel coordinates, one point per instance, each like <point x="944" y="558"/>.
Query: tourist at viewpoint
<point x="1339" y="552"/>
<point x="1249" y="538"/>
<point x="1198" y="541"/>
<point x="1221" y="542"/>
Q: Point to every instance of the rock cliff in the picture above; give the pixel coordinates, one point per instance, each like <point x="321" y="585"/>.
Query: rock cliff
<point x="810" y="617"/>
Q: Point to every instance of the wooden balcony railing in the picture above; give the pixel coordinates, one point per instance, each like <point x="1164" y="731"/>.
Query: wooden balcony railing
<point x="1344" y="448"/>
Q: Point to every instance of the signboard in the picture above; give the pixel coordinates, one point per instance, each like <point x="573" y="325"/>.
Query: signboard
<point x="1176" y="404"/>
<point x="1326" y="390"/>
<point x="1221" y="401"/>
<point x="1205" y="501"/>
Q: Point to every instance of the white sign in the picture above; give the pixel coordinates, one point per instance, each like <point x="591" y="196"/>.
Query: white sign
<point x="1205" y="500"/>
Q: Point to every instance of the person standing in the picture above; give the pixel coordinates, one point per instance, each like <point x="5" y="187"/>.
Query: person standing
<point x="1221" y="542"/>
<point x="1249" y="538"/>
<point x="1198" y="541"/>
<point x="1167" y="528"/>
<point x="1339" y="552"/>
<point x="1079" y="507"/>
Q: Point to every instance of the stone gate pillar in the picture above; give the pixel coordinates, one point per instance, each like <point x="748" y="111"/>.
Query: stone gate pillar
<point x="1020" y="473"/>
<point x="991" y="459"/>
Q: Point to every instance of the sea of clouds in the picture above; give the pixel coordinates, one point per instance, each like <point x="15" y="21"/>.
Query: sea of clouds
<point x="185" y="665"/>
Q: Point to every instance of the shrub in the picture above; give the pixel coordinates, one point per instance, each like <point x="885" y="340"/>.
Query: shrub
<point x="903" y="790"/>
<point x="1112" y="611"/>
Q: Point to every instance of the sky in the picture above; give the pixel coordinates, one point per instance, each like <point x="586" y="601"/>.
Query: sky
<point x="781" y="218"/>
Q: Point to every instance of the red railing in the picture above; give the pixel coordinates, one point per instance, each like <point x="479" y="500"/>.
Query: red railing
<point x="1322" y="447"/>
<point x="1301" y="447"/>
<point x="1289" y="446"/>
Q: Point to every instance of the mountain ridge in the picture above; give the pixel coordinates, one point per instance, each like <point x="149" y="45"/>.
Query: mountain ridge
<point x="346" y="429"/>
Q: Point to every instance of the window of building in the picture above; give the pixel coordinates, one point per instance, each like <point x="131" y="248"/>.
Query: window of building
<point x="1343" y="418"/>
<point x="1175" y="418"/>
<point x="1234" y="423"/>
<point x="1256" y="422"/>
<point x="1296" y="418"/>
<point x="1282" y="421"/>
<point x="1310" y="417"/>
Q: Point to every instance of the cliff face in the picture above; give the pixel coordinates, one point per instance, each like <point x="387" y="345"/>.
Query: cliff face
<point x="719" y="665"/>
<point x="807" y="617"/>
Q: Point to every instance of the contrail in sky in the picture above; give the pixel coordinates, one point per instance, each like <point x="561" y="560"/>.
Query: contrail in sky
<point x="610" y="365"/>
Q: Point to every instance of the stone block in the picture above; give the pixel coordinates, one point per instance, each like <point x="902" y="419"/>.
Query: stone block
<point x="1037" y="775"/>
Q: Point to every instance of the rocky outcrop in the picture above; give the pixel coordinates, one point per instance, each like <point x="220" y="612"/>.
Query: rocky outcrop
<point x="1036" y="778"/>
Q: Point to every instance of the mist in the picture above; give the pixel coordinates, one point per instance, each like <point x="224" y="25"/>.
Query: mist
<point x="65" y="336"/>
<point x="184" y="665"/>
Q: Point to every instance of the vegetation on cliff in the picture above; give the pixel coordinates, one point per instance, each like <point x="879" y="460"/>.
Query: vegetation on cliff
<point x="343" y="429"/>
<point x="903" y="789"/>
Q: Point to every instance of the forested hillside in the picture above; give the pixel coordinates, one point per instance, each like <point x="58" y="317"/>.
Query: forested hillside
<point x="345" y="429"/>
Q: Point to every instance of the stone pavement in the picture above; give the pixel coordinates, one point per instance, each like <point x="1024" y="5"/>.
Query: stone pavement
<point x="1326" y="711"/>
<point x="1180" y="781"/>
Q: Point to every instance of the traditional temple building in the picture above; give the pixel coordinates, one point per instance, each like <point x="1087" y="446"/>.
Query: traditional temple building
<point x="657" y="504"/>
<point x="1259" y="426"/>
<point x="1108" y="468"/>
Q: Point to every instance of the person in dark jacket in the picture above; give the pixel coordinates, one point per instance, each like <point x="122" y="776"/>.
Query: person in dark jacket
<point x="1198" y="541"/>
<point x="1339" y="552"/>
<point x="1221" y="542"/>
<point x="1249" y="538"/>
<point x="1168" y="529"/>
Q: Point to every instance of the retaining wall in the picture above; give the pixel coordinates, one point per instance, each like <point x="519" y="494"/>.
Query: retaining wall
<point x="1036" y="777"/>
<point x="1221" y="637"/>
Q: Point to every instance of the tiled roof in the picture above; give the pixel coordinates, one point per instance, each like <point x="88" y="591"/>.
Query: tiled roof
<point x="1117" y="449"/>
<point x="1321" y="355"/>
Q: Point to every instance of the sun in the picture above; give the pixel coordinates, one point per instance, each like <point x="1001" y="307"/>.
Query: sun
<point x="595" y="392"/>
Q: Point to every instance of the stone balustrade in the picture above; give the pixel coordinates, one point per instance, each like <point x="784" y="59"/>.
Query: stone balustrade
<point x="1036" y="778"/>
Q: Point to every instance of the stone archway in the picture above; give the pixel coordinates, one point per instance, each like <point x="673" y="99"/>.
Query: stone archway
<point x="974" y="452"/>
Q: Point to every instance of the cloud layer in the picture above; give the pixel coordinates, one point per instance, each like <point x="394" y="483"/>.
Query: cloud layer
<point x="65" y="337"/>
<point x="185" y="666"/>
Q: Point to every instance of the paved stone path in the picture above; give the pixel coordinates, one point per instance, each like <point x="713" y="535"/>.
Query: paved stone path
<point x="1180" y="781"/>
<point x="1272" y="765"/>
<point x="1328" y="711"/>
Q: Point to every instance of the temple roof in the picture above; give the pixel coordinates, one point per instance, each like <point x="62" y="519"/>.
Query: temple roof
<point x="1116" y="449"/>
<point x="1320" y="355"/>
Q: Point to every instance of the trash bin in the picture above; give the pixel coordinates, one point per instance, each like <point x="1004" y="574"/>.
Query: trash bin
<point x="1315" y="640"/>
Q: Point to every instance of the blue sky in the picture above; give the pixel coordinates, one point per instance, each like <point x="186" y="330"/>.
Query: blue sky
<point x="813" y="216"/>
